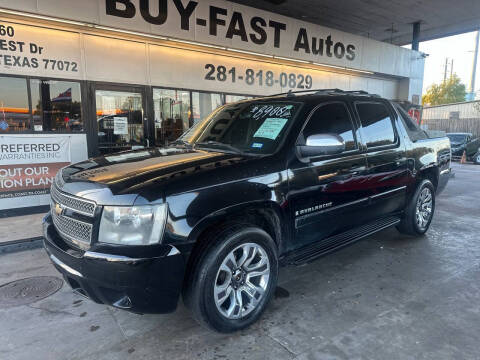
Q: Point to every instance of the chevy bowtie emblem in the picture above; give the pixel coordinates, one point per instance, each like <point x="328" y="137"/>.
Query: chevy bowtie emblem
<point x="58" y="209"/>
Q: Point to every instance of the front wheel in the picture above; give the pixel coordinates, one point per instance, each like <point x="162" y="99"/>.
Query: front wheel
<point x="476" y="158"/>
<point x="419" y="211"/>
<point x="234" y="279"/>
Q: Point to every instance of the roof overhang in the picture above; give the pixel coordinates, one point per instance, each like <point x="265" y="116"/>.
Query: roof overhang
<point x="384" y="20"/>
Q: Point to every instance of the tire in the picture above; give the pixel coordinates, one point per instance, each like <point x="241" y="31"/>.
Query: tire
<point x="424" y="201"/>
<point x="222" y="298"/>
<point x="476" y="158"/>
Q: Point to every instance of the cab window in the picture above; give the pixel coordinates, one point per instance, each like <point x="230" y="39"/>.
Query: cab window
<point x="332" y="118"/>
<point x="377" y="125"/>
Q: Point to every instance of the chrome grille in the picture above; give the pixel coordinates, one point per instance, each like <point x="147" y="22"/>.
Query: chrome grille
<point x="67" y="211"/>
<point x="73" y="230"/>
<point x="73" y="203"/>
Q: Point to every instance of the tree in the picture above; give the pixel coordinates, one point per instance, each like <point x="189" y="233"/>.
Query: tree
<point x="450" y="91"/>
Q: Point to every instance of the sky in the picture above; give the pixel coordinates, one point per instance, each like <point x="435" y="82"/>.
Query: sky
<point x="459" y="48"/>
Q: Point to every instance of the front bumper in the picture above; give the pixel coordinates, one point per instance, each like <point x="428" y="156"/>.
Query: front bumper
<point x="149" y="282"/>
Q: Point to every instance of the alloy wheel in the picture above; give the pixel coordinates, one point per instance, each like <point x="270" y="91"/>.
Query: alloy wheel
<point x="242" y="280"/>
<point x="424" y="208"/>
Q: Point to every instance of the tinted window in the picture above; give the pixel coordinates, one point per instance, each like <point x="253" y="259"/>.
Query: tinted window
<point x="332" y="119"/>
<point x="57" y="105"/>
<point x="457" y="139"/>
<point x="407" y="119"/>
<point x="377" y="125"/>
<point x="14" y="108"/>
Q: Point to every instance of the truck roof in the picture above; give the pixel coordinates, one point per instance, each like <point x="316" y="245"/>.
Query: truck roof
<point x="318" y="94"/>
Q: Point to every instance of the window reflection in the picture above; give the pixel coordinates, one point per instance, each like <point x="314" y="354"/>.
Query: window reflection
<point x="204" y="103"/>
<point x="234" y="98"/>
<point x="332" y="119"/>
<point x="377" y="128"/>
<point x="120" y="120"/>
<point x="14" y="108"/>
<point x="172" y="114"/>
<point x="57" y="105"/>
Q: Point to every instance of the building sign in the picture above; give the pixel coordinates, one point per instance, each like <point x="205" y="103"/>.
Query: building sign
<point x="28" y="165"/>
<point x="41" y="52"/>
<point x="225" y="25"/>
<point x="222" y="73"/>
<point x="219" y="23"/>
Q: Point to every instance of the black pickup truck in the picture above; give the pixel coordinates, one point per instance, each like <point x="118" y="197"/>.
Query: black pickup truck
<point x="261" y="183"/>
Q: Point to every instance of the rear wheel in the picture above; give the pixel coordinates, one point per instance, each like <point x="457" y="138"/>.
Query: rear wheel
<point x="419" y="211"/>
<point x="234" y="279"/>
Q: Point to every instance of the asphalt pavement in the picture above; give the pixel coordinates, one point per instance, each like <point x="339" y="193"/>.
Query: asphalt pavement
<point x="386" y="297"/>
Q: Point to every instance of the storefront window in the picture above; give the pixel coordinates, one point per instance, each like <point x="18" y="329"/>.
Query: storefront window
<point x="172" y="114"/>
<point x="120" y="120"/>
<point x="204" y="103"/>
<point x="14" y="108"/>
<point x="234" y="98"/>
<point x="57" y="106"/>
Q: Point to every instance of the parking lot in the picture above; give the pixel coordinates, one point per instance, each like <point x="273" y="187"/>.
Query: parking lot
<point x="386" y="297"/>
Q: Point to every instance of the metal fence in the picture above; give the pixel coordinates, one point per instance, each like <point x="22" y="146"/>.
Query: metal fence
<point x="460" y="117"/>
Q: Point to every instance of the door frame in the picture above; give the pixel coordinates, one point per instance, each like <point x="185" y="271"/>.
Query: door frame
<point x="144" y="91"/>
<point x="296" y="164"/>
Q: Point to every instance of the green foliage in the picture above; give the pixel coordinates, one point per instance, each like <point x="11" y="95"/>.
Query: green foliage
<point x="450" y="91"/>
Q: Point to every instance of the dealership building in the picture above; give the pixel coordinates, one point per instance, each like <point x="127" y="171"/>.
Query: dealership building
<point x="90" y="77"/>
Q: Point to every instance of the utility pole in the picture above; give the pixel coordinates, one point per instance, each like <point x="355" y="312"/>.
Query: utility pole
<point x="471" y="93"/>
<point x="451" y="69"/>
<point x="445" y="70"/>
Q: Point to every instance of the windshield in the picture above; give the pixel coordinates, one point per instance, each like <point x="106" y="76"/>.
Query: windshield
<point x="245" y="127"/>
<point x="456" y="139"/>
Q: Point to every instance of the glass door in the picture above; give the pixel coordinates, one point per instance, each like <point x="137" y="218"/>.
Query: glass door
<point x="173" y="114"/>
<point x="120" y="124"/>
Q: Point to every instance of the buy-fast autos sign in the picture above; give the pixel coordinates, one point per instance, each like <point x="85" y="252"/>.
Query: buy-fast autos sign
<point x="226" y="25"/>
<point x="28" y="165"/>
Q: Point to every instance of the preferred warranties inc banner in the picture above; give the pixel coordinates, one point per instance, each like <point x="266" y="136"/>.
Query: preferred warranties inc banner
<point x="28" y="165"/>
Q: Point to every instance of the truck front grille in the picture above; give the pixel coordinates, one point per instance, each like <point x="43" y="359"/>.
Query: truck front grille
<point x="72" y="230"/>
<point x="65" y="209"/>
<point x="78" y="205"/>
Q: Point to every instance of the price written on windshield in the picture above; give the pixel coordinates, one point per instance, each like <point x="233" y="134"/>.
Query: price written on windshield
<point x="259" y="78"/>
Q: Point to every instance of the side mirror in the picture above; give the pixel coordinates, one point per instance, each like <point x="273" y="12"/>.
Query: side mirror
<point x="322" y="144"/>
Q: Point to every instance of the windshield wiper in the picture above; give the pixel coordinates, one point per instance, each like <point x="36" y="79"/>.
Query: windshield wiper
<point x="220" y="145"/>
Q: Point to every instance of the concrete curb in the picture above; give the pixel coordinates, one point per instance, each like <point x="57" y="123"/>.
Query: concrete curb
<point x="20" y="245"/>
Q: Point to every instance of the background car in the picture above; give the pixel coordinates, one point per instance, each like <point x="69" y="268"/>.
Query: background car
<point x="467" y="142"/>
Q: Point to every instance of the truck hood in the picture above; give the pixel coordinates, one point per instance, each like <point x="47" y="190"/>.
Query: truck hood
<point x="128" y="173"/>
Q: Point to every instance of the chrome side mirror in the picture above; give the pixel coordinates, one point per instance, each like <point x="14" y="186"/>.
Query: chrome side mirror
<point x="322" y="144"/>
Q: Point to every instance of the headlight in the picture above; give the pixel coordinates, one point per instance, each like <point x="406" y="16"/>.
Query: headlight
<point x="132" y="225"/>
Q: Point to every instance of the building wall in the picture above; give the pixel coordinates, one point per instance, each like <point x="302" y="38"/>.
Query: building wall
<point x="464" y="110"/>
<point x="461" y="117"/>
<point x="229" y="25"/>
<point x="104" y="58"/>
